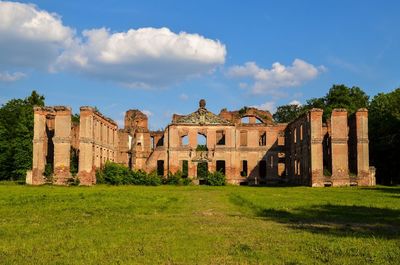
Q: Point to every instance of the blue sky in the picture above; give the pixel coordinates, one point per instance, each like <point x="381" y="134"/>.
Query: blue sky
<point x="119" y="55"/>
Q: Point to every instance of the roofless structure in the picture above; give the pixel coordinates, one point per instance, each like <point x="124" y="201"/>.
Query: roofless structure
<point x="246" y="145"/>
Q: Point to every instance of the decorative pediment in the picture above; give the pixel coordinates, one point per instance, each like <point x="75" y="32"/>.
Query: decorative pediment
<point x="202" y="117"/>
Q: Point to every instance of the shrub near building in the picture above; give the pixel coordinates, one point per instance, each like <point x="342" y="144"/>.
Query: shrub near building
<point x="116" y="174"/>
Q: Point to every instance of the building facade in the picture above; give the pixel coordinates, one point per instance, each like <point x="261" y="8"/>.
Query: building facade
<point x="246" y="145"/>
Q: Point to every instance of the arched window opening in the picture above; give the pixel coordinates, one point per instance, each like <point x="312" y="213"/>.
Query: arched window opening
<point x="245" y="120"/>
<point x="201" y="142"/>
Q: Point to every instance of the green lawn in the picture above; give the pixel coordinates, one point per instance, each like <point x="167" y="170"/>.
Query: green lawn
<point x="198" y="225"/>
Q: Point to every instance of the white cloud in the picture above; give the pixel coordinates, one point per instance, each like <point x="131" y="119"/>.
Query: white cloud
<point x="279" y="76"/>
<point x="183" y="97"/>
<point x="140" y="58"/>
<point x="148" y="113"/>
<point x="7" y="77"/>
<point x="269" y="105"/>
<point x="295" y="102"/>
<point x="30" y="37"/>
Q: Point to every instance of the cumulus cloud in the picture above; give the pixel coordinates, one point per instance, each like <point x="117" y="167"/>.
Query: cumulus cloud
<point x="269" y="105"/>
<point x="279" y="76"/>
<point x="30" y="37"/>
<point x="11" y="77"/>
<point x="144" y="57"/>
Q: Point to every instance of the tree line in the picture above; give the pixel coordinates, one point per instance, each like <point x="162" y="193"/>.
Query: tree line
<point x="16" y="128"/>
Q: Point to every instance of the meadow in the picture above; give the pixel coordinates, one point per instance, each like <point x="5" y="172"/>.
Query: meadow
<point x="198" y="225"/>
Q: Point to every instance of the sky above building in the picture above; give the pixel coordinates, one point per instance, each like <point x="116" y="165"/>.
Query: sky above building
<point x="162" y="57"/>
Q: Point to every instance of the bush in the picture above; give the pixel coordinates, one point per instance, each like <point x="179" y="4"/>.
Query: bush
<point x="116" y="174"/>
<point x="177" y="179"/>
<point x="171" y="180"/>
<point x="215" y="179"/>
<point x="153" y="179"/>
<point x="185" y="181"/>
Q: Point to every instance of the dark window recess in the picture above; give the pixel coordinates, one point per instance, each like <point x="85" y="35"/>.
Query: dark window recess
<point x="221" y="166"/>
<point x="185" y="168"/>
<point x="202" y="170"/>
<point x="263" y="168"/>
<point x="160" y="167"/>
<point x="243" y="173"/>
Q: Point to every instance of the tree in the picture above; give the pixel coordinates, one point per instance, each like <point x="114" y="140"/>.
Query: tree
<point x="384" y="135"/>
<point x="16" y="134"/>
<point x="340" y="96"/>
<point x="287" y="113"/>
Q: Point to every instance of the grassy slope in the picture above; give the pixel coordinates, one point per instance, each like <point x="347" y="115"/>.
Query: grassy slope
<point x="204" y="225"/>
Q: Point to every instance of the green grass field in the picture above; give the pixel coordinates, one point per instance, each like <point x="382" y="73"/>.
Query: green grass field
<point x="198" y="225"/>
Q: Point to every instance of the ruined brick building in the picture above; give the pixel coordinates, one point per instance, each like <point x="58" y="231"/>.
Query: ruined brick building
<point x="246" y="145"/>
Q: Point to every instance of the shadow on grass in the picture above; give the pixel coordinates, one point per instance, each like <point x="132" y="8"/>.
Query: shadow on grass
<point x="389" y="189"/>
<point x="336" y="220"/>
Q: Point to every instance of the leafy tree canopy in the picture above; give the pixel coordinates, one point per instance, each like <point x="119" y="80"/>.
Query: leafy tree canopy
<point x="288" y="113"/>
<point x="384" y="135"/>
<point x="16" y="134"/>
<point x="339" y="96"/>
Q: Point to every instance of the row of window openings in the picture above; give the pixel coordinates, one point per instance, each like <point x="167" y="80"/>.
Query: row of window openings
<point x="295" y="134"/>
<point x="297" y="167"/>
<point x="220" y="139"/>
<point x="107" y="138"/>
<point x="220" y="166"/>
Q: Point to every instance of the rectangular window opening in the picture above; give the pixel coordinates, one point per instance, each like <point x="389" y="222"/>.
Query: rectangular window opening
<point x="221" y="166"/>
<point x="263" y="139"/>
<point x="243" y="172"/>
<point x="184" y="140"/>
<point x="262" y="168"/>
<point x="301" y="132"/>
<point x="185" y="168"/>
<point x="243" y="138"/>
<point x="160" y="167"/>
<point x="220" y="137"/>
